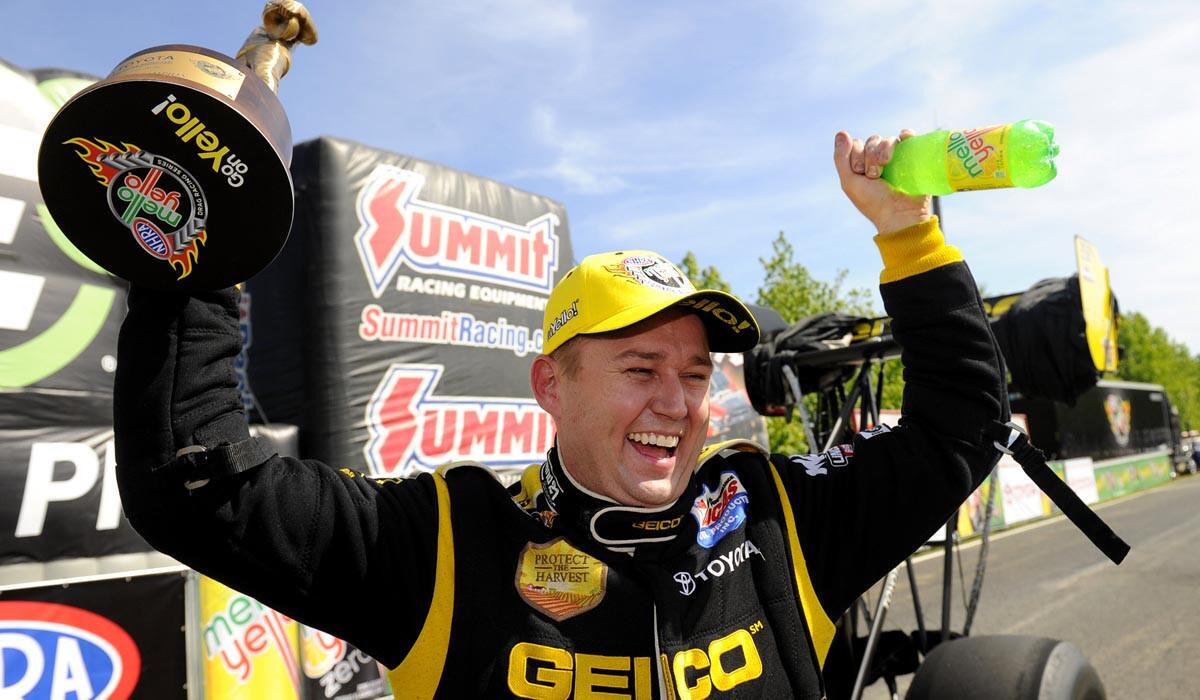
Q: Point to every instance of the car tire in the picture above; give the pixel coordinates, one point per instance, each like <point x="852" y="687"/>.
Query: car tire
<point x="1006" y="667"/>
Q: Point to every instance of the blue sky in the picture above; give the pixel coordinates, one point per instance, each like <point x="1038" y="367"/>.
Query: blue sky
<point x="709" y="127"/>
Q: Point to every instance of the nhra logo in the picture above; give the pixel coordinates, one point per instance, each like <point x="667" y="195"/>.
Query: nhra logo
<point x="49" y="650"/>
<point x="160" y="202"/>
<point x="395" y="227"/>
<point x="721" y="511"/>
<point x="412" y="429"/>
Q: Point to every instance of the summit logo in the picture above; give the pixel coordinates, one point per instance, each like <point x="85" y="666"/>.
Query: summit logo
<point x="413" y="429"/>
<point x="397" y="228"/>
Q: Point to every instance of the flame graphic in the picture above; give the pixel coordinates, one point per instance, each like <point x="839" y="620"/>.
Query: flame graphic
<point x="91" y="154"/>
<point x="185" y="258"/>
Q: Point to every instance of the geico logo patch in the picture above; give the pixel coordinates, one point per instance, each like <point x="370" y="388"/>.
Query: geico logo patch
<point x="718" y="567"/>
<point x="728" y="662"/>
<point x="537" y="671"/>
<point x="656" y="525"/>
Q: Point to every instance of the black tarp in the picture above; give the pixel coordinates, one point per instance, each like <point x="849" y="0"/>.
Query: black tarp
<point x="397" y="326"/>
<point x="1044" y="342"/>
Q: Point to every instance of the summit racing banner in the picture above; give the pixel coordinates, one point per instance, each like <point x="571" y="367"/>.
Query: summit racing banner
<point x="397" y="326"/>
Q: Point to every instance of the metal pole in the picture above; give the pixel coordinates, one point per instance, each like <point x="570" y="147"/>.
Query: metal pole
<point x="793" y="384"/>
<point x="916" y="596"/>
<point x="885" y="599"/>
<point x="192" y="639"/>
<point x="947" y="573"/>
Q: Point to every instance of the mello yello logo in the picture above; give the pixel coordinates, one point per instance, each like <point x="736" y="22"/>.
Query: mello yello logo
<point x="60" y="651"/>
<point x="244" y="629"/>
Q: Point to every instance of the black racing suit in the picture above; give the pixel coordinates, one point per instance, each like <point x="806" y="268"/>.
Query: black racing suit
<point x="464" y="588"/>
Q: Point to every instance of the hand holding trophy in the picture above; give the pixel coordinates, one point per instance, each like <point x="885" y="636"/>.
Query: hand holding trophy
<point x="172" y="172"/>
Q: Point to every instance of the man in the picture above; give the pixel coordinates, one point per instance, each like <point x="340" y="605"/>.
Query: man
<point x="631" y="563"/>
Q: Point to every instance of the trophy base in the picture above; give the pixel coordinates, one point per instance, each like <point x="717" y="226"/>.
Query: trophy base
<point x="172" y="173"/>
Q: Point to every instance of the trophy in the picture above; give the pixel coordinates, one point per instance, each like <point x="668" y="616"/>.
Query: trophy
<point x="172" y="172"/>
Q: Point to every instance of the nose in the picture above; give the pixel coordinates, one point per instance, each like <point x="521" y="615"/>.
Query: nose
<point x="671" y="400"/>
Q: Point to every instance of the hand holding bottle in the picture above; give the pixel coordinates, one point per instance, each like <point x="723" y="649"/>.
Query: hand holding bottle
<point x="860" y="165"/>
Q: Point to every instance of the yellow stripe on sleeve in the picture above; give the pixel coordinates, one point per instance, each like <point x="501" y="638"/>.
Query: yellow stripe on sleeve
<point x="419" y="675"/>
<point x="913" y="250"/>
<point x="820" y="627"/>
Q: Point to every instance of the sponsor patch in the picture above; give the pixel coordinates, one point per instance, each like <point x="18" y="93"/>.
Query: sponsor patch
<point x="872" y="432"/>
<point x="657" y="273"/>
<point x="721" y="511"/>
<point x="820" y="464"/>
<point x="839" y="456"/>
<point x="560" y="581"/>
<point x="550" y="483"/>
<point x="718" y="567"/>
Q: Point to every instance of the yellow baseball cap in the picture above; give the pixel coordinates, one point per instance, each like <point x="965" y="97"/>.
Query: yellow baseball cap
<point x="608" y="291"/>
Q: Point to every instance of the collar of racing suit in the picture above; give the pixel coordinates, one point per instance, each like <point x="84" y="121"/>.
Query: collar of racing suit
<point x="608" y="523"/>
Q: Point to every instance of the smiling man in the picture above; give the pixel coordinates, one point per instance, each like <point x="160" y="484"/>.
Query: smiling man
<point x="633" y="562"/>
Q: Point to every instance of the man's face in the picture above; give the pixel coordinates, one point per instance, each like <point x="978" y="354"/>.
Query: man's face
<point x="634" y="415"/>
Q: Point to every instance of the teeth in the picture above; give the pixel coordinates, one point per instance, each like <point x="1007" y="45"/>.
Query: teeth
<point x="667" y="441"/>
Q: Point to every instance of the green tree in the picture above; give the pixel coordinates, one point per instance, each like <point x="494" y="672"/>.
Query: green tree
<point x="789" y="288"/>
<point x="707" y="278"/>
<point x="1149" y="355"/>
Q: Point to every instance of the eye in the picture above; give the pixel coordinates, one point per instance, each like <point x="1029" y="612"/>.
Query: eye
<point x="640" y="371"/>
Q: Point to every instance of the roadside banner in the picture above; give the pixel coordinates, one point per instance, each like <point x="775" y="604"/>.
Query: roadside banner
<point x="105" y="638"/>
<point x="250" y="651"/>
<point x="1081" y="478"/>
<point x="1021" y="497"/>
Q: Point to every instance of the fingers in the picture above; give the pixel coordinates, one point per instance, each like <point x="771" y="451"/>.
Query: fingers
<point x="842" y="148"/>
<point x="854" y="156"/>
<point x="866" y="157"/>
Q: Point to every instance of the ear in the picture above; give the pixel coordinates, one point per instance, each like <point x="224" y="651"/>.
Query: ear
<point x="544" y="376"/>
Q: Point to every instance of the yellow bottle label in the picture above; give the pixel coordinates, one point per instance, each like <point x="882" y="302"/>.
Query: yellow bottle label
<point x="977" y="159"/>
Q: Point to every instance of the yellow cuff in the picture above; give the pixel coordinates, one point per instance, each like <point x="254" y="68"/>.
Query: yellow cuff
<point x="913" y="250"/>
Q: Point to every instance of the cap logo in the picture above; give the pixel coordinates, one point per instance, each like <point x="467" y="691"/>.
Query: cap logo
<point x="657" y="273"/>
<point x="561" y="320"/>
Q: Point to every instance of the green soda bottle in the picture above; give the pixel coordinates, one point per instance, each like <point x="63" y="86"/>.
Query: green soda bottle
<point x="941" y="162"/>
